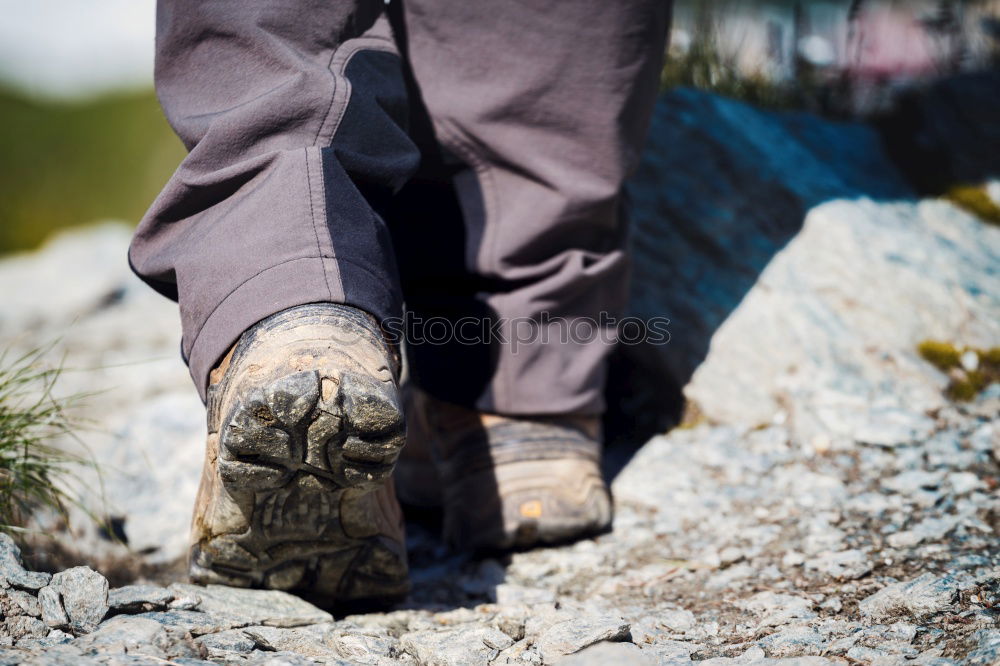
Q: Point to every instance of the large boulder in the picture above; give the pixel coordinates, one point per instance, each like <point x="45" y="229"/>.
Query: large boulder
<point x="798" y="268"/>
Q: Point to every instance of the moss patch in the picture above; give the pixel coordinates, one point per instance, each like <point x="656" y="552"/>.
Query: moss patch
<point x="965" y="384"/>
<point x="974" y="199"/>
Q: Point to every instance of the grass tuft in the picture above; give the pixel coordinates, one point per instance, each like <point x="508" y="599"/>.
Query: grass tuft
<point x="31" y="418"/>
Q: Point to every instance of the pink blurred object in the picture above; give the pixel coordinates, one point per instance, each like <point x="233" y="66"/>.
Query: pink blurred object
<point x="889" y="43"/>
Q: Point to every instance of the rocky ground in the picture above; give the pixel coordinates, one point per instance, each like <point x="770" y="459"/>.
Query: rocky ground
<point x="730" y="545"/>
<point x="826" y="501"/>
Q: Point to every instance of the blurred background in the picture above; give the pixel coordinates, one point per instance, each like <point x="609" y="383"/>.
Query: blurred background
<point x="851" y="58"/>
<point x="83" y="138"/>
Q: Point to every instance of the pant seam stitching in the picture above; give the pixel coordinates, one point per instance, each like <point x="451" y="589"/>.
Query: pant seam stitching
<point x="353" y="51"/>
<point x="312" y="214"/>
<point x="359" y="44"/>
<point x="333" y="97"/>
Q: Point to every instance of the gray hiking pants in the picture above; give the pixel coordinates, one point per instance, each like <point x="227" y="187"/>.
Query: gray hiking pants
<point x="464" y="157"/>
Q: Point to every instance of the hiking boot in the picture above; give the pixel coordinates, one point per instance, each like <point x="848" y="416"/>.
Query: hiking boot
<point x="304" y="428"/>
<point x="504" y="482"/>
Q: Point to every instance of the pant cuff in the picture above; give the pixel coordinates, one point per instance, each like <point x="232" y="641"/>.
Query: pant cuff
<point x="286" y="285"/>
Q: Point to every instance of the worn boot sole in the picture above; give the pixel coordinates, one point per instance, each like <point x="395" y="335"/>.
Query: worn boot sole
<point x="300" y="468"/>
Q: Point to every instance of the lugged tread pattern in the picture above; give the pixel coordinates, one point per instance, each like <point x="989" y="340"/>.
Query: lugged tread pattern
<point x="302" y="461"/>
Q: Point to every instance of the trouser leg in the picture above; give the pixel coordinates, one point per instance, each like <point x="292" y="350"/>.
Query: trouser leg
<point x="294" y="115"/>
<point x="534" y="115"/>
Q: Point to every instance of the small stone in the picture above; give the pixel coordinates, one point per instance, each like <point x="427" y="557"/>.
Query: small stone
<point x="969" y="561"/>
<point x="21" y="626"/>
<point x="969" y="360"/>
<point x="223" y="642"/>
<point x="138" y="598"/>
<point x="609" y="654"/>
<point x="676" y="653"/>
<point x="987" y="650"/>
<point x="186" y="602"/>
<point x="890" y="427"/>
<point x="929" y="529"/>
<point x="731" y="555"/>
<point x="892" y="639"/>
<point x="823" y="537"/>
<point x="753" y="654"/>
<point x="267" y="607"/>
<point x="821" y="443"/>
<point x="51" y="605"/>
<point x="703" y="631"/>
<point x="195" y="622"/>
<point x="918" y="598"/>
<point x="649" y="629"/>
<point x="778" y="609"/>
<point x="13" y="571"/>
<point x="84" y="595"/>
<point x="677" y="620"/>
<point x="913" y="481"/>
<point x="50" y="640"/>
<point x="521" y="653"/>
<point x="569" y="636"/>
<point x="731" y="577"/>
<point x="26" y="603"/>
<point x="793" y="642"/>
<point x="842" y="565"/>
<point x="307" y="641"/>
<point x="456" y="647"/>
<point x="965" y="482"/>
<point x="510" y="620"/>
<point x="866" y="655"/>
<point x="793" y="559"/>
<point x="282" y="658"/>
<point x="899" y="632"/>
<point x="986" y="437"/>
<point x="365" y="648"/>
<point x="833" y="605"/>
<point x="129" y="633"/>
<point x="508" y="594"/>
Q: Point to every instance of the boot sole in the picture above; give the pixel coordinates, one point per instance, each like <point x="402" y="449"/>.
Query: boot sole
<point x="302" y="459"/>
<point x="526" y="504"/>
